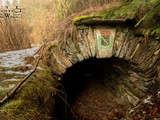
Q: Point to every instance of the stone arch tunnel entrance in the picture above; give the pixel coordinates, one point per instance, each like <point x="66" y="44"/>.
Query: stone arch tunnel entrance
<point x="90" y="88"/>
<point x="113" y="62"/>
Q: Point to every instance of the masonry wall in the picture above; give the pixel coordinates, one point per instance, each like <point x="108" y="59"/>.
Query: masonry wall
<point x="141" y="52"/>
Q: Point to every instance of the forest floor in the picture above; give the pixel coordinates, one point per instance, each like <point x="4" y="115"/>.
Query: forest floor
<point x="96" y="102"/>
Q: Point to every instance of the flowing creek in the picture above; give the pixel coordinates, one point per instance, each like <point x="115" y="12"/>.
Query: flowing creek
<point x="13" y="67"/>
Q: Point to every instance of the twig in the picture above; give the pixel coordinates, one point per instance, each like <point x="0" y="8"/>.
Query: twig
<point x="12" y="93"/>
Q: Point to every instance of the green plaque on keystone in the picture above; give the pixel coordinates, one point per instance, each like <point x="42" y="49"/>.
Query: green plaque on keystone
<point x="105" y="40"/>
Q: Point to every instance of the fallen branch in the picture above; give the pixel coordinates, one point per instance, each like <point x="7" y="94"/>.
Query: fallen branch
<point x="12" y="93"/>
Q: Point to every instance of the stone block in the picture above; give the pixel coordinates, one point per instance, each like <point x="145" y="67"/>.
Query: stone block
<point x="92" y="42"/>
<point x="61" y="58"/>
<point x="119" y="40"/>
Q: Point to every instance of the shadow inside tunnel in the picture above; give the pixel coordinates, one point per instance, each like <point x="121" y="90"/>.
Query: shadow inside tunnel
<point x="89" y="88"/>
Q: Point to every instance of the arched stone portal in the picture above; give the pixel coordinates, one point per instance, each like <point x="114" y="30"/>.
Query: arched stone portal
<point x="141" y="55"/>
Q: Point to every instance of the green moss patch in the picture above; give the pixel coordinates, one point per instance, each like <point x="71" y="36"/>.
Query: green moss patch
<point x="34" y="100"/>
<point x="145" y="14"/>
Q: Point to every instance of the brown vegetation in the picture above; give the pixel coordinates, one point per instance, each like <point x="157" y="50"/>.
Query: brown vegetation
<point x="43" y="20"/>
<point x="66" y="28"/>
<point x="14" y="34"/>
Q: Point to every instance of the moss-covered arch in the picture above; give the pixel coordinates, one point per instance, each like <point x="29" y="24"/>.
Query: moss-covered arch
<point x="135" y="39"/>
<point x="141" y="53"/>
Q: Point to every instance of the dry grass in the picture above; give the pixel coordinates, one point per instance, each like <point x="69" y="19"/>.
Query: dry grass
<point x="66" y="27"/>
<point x="14" y="35"/>
<point x="68" y="7"/>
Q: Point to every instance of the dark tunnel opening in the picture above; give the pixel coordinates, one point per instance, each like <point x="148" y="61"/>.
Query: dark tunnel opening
<point x="86" y="80"/>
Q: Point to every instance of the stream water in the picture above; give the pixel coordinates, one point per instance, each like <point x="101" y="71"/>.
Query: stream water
<point x="10" y="63"/>
<point x="16" y="58"/>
